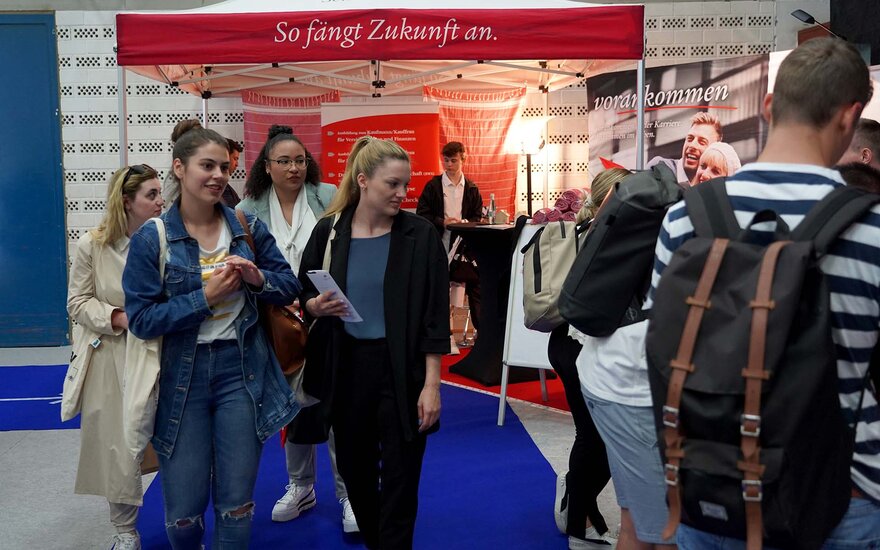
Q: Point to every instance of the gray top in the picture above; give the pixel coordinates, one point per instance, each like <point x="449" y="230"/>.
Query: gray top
<point x="365" y="285"/>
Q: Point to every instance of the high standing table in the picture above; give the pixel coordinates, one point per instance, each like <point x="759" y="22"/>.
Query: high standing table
<point x="491" y="245"/>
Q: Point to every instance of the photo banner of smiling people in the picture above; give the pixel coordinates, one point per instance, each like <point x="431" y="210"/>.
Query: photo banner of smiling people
<point x="687" y="108"/>
<point x="414" y="126"/>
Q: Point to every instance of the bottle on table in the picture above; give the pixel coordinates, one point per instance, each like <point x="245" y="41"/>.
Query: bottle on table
<point x="490" y="213"/>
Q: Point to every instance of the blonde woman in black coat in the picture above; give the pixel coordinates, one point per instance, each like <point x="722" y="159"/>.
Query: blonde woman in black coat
<point x="385" y="393"/>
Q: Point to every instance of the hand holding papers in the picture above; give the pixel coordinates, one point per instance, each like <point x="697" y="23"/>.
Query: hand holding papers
<point x="324" y="282"/>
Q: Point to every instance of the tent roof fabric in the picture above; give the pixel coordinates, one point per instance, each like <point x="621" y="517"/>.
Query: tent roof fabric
<point x="387" y="46"/>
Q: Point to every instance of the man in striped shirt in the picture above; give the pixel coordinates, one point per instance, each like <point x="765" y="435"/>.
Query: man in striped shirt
<point x="820" y="90"/>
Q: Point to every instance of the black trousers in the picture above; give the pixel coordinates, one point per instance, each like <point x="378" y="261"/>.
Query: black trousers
<point x="588" y="471"/>
<point x="380" y="468"/>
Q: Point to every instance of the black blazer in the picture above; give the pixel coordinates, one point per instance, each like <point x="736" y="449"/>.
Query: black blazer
<point x="431" y="205"/>
<point x="416" y="302"/>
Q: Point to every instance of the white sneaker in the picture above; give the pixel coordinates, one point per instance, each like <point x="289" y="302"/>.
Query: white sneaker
<point x="560" y="506"/>
<point x="592" y="541"/>
<point x="349" y="523"/>
<point x="126" y="541"/>
<point x="453" y="348"/>
<point x="297" y="499"/>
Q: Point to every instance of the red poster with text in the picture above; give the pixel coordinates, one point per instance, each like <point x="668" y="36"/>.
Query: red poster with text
<point x="415" y="127"/>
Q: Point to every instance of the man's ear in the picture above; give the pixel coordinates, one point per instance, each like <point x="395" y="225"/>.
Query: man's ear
<point x="849" y="117"/>
<point x="866" y="155"/>
<point x="766" y="110"/>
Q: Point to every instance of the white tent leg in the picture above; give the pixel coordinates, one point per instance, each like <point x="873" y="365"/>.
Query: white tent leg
<point x="502" y="399"/>
<point x="546" y="155"/>
<point x="542" y="374"/>
<point x="123" y="116"/>
<point x="640" y="117"/>
<point x="204" y="112"/>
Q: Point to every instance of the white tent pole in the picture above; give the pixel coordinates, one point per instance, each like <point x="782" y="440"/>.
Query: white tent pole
<point x="546" y="153"/>
<point x="640" y="117"/>
<point x="123" y="116"/>
<point x="204" y="112"/>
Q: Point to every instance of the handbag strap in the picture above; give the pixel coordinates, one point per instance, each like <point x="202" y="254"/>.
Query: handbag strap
<point x="163" y="247"/>
<point x="247" y="230"/>
<point x="326" y="264"/>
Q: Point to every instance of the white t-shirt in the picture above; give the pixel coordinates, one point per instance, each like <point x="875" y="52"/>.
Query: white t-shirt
<point x="453" y="194"/>
<point x="614" y="368"/>
<point x="220" y="325"/>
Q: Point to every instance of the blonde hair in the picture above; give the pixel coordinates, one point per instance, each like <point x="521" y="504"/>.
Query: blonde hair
<point x="728" y="155"/>
<point x="114" y="225"/>
<point x="602" y="184"/>
<point x="367" y="154"/>
<point x="708" y="119"/>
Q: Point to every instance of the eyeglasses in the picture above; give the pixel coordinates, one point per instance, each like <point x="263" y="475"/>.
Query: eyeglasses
<point x="138" y="169"/>
<point x="299" y="162"/>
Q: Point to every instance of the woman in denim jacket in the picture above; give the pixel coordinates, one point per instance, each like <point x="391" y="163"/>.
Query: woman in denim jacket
<point x="221" y="391"/>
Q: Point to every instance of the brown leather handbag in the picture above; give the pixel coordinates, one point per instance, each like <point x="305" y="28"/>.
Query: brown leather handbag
<point x="285" y="329"/>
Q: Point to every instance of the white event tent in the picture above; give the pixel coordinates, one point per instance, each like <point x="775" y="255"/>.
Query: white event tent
<point x="377" y="48"/>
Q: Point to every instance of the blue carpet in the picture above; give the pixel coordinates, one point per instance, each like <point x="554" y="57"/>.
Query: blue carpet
<point x="482" y="487"/>
<point x="30" y="398"/>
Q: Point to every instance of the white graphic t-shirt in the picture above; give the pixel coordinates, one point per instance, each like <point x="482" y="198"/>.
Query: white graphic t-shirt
<point x="219" y="326"/>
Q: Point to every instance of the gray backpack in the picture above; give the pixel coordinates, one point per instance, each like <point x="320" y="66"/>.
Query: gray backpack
<point x="547" y="258"/>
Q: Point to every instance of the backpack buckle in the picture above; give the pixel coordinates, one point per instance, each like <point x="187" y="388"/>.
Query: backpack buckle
<point x="671" y="477"/>
<point x="670" y="416"/>
<point x="750" y="425"/>
<point x="752" y="490"/>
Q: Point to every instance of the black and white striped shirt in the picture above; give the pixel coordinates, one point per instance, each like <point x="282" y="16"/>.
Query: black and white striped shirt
<point x="852" y="270"/>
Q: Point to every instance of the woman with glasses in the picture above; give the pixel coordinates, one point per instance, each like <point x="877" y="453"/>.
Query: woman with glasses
<point x="221" y="390"/>
<point x="284" y="190"/>
<point x="384" y="395"/>
<point x="96" y="302"/>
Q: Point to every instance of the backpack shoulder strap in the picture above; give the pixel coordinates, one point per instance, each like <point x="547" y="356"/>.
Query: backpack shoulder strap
<point x="330" y="236"/>
<point x="163" y="246"/>
<point x="833" y="215"/>
<point x="709" y="210"/>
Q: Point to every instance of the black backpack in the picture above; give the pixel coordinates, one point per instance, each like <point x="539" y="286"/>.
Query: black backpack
<point x="611" y="274"/>
<point x="743" y="375"/>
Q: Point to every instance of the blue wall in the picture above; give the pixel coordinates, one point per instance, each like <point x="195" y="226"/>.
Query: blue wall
<point x="33" y="255"/>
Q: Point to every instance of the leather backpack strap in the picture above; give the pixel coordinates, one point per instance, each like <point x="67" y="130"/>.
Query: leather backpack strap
<point x="681" y="366"/>
<point x="755" y="375"/>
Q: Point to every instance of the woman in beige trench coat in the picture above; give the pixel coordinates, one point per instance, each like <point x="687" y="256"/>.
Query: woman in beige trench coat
<point x="96" y="302"/>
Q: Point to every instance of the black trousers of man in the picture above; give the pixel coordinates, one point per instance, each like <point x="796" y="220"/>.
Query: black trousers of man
<point x="380" y="468"/>
<point x="588" y="471"/>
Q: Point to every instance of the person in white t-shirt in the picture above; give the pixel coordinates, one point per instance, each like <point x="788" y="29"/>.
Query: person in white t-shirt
<point x="450" y="198"/>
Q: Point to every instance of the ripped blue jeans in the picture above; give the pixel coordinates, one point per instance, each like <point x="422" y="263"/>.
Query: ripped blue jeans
<point x="216" y="454"/>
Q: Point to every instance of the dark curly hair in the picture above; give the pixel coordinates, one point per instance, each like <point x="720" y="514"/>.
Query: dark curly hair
<point x="258" y="181"/>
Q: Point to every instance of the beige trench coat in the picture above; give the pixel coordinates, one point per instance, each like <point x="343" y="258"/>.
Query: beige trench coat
<point x="105" y="468"/>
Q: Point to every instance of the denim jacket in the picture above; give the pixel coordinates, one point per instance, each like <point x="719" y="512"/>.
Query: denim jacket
<point x="175" y="310"/>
